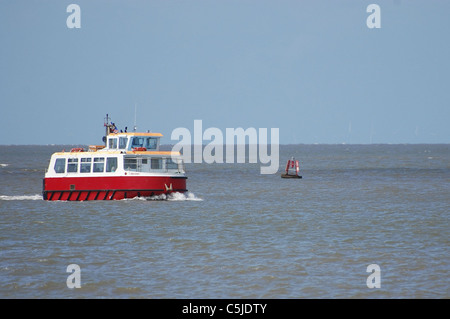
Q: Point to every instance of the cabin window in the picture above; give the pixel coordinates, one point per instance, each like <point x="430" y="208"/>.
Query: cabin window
<point x="129" y="164"/>
<point x="60" y="165"/>
<point x="99" y="164"/>
<point x="137" y="142"/>
<point x="85" y="165"/>
<point x="151" y="143"/>
<point x="111" y="164"/>
<point x="123" y="143"/>
<point x="156" y="163"/>
<point x="170" y="164"/>
<point x="112" y="142"/>
<point x="72" y="165"/>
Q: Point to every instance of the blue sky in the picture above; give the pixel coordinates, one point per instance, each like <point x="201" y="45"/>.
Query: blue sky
<point x="313" y="69"/>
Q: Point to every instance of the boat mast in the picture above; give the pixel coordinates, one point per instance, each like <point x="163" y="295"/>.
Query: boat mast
<point x="107" y="128"/>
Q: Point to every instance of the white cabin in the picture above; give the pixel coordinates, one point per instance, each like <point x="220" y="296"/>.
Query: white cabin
<point x="124" y="154"/>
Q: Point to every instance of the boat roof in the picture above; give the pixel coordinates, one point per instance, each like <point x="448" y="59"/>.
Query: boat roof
<point x="96" y="153"/>
<point x="135" y="134"/>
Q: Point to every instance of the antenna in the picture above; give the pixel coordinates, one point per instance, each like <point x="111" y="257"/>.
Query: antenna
<point x="135" y="111"/>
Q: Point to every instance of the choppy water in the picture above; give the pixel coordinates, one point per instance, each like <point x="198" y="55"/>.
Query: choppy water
<point x="238" y="234"/>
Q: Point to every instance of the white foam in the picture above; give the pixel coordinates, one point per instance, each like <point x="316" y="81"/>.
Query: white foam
<point x="171" y="197"/>
<point x="183" y="197"/>
<point x="157" y="197"/>
<point x="21" y="197"/>
<point x="134" y="198"/>
<point x="3" y="165"/>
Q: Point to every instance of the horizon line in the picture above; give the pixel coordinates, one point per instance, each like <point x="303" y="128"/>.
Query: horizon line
<point x="246" y="144"/>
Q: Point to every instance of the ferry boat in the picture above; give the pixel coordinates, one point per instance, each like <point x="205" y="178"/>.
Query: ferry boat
<point x="129" y="165"/>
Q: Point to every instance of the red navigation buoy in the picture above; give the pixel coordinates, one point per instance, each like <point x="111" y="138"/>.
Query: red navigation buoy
<point x="292" y="165"/>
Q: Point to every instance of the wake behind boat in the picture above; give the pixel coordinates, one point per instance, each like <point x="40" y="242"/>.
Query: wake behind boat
<point x="128" y="165"/>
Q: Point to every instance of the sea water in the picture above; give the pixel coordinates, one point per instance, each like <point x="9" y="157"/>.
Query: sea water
<point x="237" y="233"/>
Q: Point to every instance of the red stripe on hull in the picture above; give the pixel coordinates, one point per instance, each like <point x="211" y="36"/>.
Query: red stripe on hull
<point x="110" y="187"/>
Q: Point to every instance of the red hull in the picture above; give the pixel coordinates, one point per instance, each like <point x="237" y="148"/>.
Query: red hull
<point x="110" y="188"/>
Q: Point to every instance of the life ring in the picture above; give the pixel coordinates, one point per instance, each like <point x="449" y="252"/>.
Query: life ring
<point x="139" y="149"/>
